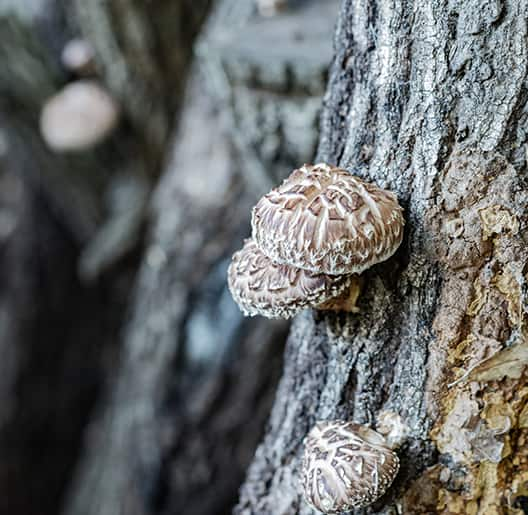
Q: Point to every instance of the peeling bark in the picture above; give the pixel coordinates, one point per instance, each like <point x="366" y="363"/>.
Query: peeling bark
<point x="428" y="100"/>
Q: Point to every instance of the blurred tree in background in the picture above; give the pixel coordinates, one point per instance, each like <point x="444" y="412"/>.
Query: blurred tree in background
<point x="130" y="382"/>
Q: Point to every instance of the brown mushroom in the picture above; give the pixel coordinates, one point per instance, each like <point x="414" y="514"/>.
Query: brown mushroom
<point x="81" y="115"/>
<point x="324" y="219"/>
<point x="312" y="235"/>
<point x="262" y="287"/>
<point x="346" y="466"/>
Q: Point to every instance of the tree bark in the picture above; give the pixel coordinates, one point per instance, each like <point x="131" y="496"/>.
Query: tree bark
<point x="428" y="100"/>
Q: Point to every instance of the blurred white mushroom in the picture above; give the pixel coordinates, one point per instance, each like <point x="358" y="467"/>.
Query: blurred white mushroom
<point x="81" y="115"/>
<point x="78" y="56"/>
<point x="271" y="7"/>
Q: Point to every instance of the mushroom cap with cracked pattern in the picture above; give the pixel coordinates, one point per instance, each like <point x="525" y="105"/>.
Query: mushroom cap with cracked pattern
<point x="345" y="466"/>
<point x="262" y="287"/>
<point x="324" y="219"/>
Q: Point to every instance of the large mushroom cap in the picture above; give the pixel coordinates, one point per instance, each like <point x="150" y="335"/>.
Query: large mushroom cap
<point x="346" y="466"/>
<point x="78" y="117"/>
<point x="324" y="219"/>
<point x="261" y="287"/>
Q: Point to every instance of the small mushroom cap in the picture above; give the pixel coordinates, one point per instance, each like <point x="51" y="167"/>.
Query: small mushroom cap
<point x="261" y="287"/>
<point x="78" y="56"/>
<point x="345" y="466"/>
<point x="271" y="7"/>
<point x="78" y="117"/>
<point x="324" y="219"/>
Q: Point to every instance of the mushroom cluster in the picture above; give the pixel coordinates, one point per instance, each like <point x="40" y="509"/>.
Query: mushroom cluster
<point x="346" y="466"/>
<point x="311" y="236"/>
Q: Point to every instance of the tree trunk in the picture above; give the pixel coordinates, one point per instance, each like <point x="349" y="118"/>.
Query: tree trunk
<point x="193" y="372"/>
<point x="192" y="392"/>
<point x="184" y="390"/>
<point x="69" y="248"/>
<point x="428" y="100"/>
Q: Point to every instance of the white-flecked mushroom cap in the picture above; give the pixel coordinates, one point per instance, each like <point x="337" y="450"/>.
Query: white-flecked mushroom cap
<point x="324" y="219"/>
<point x="345" y="466"/>
<point x="81" y="115"/>
<point x="261" y="287"/>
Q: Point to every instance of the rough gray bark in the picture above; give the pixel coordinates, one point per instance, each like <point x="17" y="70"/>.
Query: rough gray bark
<point x="429" y="100"/>
<point x="272" y="74"/>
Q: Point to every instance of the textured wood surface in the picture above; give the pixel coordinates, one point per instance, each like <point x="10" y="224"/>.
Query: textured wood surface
<point x="427" y="100"/>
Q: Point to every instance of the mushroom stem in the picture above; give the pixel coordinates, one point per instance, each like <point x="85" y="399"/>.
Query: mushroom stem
<point x="346" y="301"/>
<point x="393" y="428"/>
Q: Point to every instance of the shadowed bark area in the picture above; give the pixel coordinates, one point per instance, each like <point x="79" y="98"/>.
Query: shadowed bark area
<point x="37" y="260"/>
<point x="428" y="100"/>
